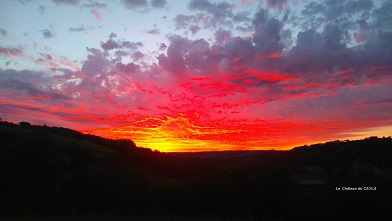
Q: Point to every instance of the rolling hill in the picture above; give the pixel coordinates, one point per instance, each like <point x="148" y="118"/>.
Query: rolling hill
<point x="52" y="171"/>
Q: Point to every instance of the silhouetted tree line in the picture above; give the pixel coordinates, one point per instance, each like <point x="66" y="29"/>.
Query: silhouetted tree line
<point x="56" y="171"/>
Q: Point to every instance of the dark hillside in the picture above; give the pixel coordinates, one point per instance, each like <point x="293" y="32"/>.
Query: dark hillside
<point x="51" y="171"/>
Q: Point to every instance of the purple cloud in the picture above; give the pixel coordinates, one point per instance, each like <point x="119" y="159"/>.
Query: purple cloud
<point x="94" y="5"/>
<point x="222" y="36"/>
<point x="219" y="11"/>
<point x="154" y="31"/>
<point x="277" y="4"/>
<point x="79" y="29"/>
<point x="118" y="44"/>
<point x="135" y="4"/>
<point x="267" y="34"/>
<point x="48" y="33"/>
<point x="66" y="2"/>
<point x="158" y="3"/>
<point x="194" y="29"/>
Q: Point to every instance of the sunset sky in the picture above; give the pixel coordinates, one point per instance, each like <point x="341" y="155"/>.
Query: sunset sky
<point x="200" y="74"/>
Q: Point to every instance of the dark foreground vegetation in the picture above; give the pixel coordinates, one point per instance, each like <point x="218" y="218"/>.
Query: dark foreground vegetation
<point x="59" y="174"/>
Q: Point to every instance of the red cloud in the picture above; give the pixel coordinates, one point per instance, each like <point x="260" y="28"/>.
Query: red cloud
<point x="96" y="14"/>
<point x="12" y="52"/>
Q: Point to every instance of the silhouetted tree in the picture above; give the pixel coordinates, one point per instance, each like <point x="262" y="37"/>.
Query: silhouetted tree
<point x="24" y="124"/>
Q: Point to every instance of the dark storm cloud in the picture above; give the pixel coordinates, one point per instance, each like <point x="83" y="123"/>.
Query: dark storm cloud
<point x="159" y="3"/>
<point x="135" y="4"/>
<point x="48" y="33"/>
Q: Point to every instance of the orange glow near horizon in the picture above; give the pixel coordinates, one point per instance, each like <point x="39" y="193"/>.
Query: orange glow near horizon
<point x="165" y="141"/>
<point x="182" y="134"/>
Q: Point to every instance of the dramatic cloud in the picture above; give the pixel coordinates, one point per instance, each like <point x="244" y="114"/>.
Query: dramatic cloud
<point x="267" y="34"/>
<point x="255" y="75"/>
